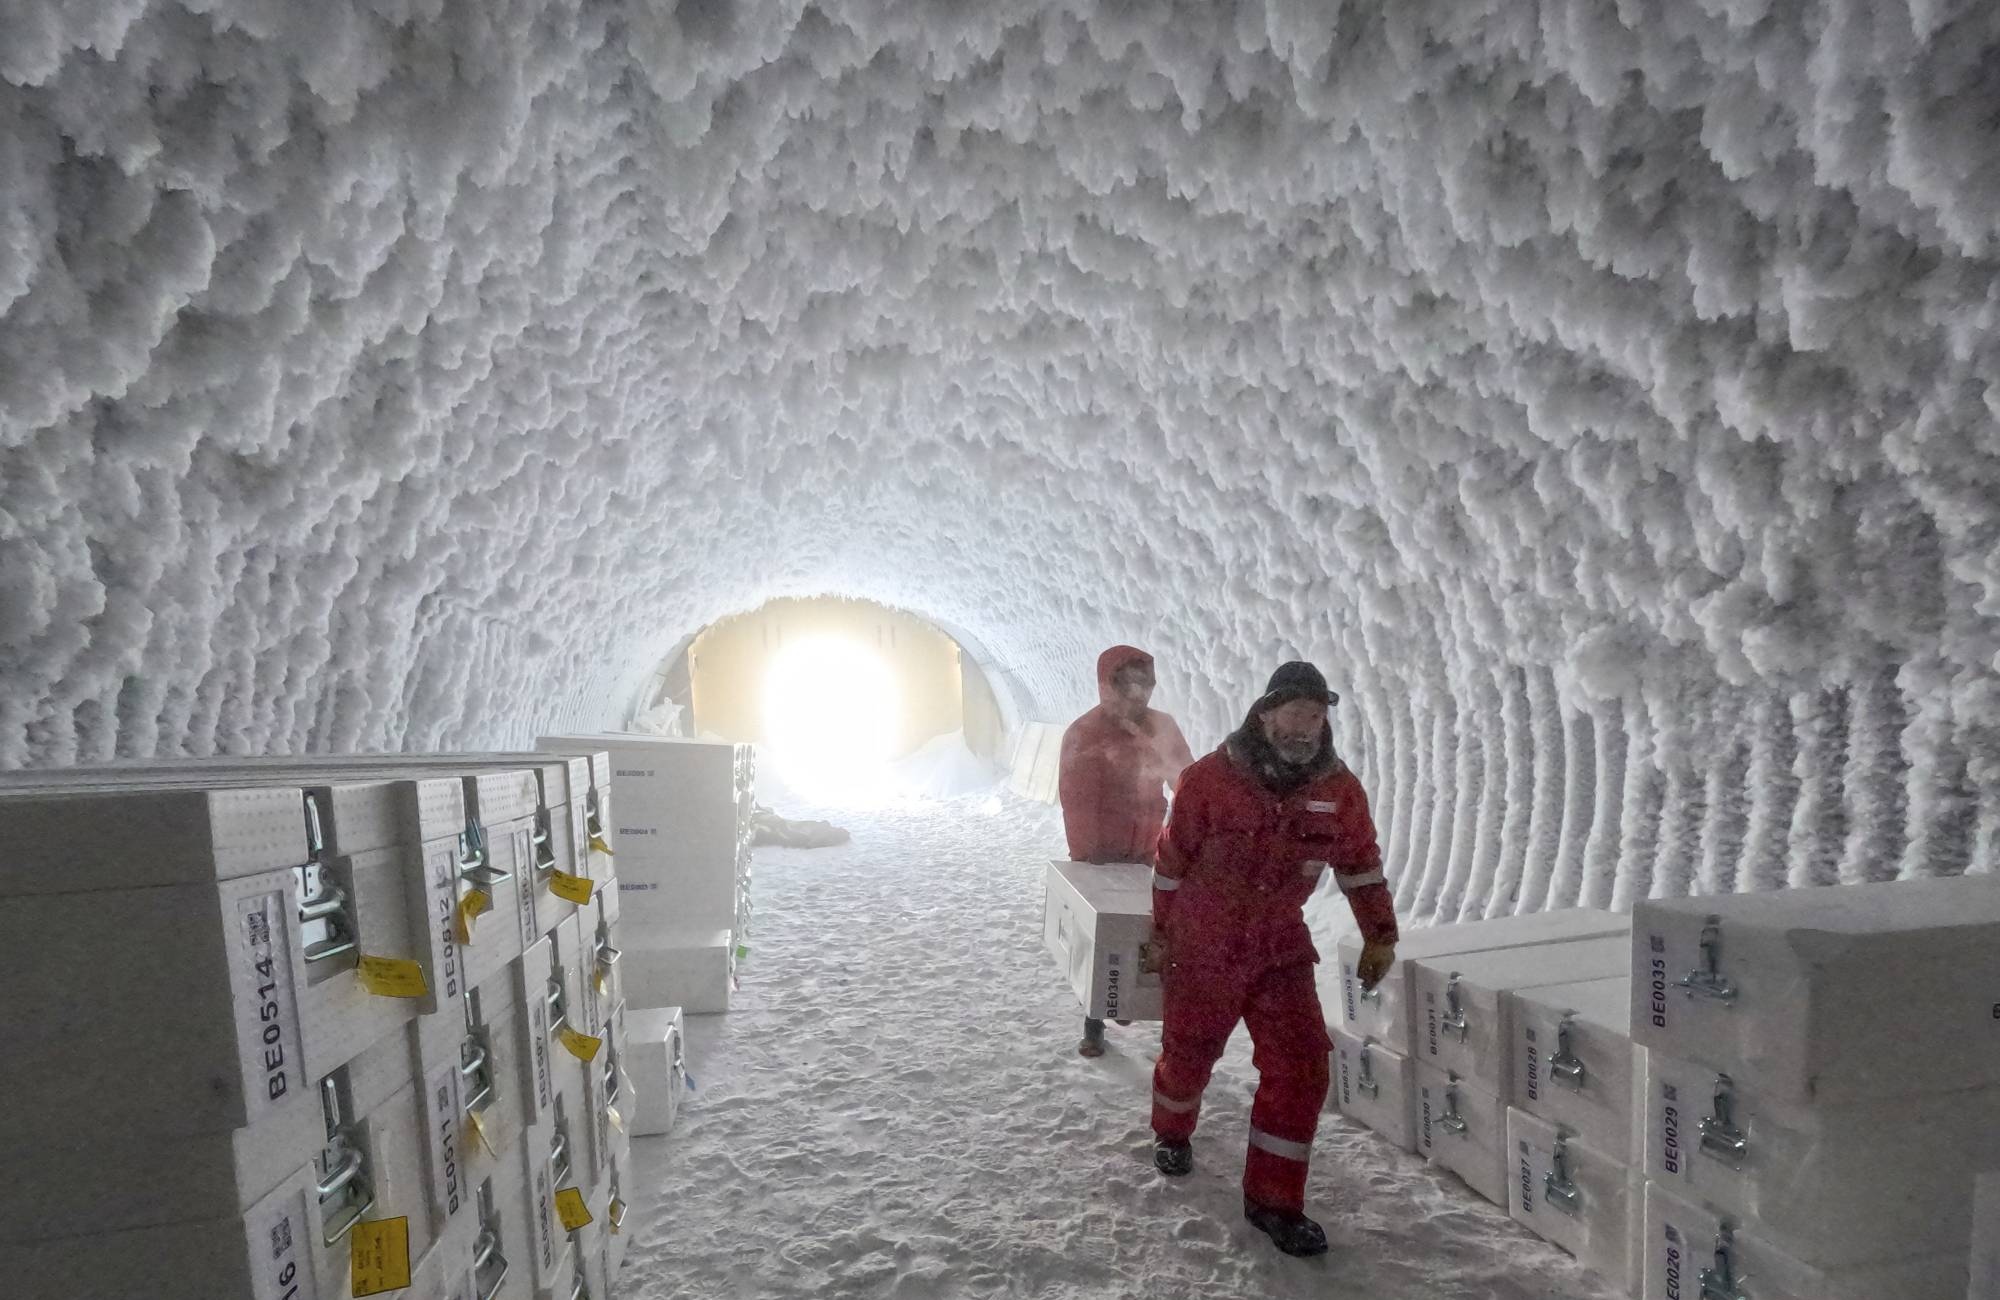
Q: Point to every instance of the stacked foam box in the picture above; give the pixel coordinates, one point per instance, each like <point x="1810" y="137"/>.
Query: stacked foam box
<point x="1986" y="1236"/>
<point x="1374" y="1035"/>
<point x="681" y="829"/>
<point x="187" y="941"/>
<point x="1822" y="1088"/>
<point x="1575" y="1097"/>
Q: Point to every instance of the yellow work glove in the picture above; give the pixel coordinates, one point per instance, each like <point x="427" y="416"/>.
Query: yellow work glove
<point x="1376" y="958"/>
<point x="1153" y="954"/>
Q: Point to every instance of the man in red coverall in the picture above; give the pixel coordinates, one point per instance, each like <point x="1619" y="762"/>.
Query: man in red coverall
<point x="1255" y="825"/>
<point x="1117" y="760"/>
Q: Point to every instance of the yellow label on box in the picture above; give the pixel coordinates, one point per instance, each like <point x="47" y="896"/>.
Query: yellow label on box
<point x="475" y="904"/>
<point x="571" y="1209"/>
<point x="581" y="1045"/>
<point x="391" y="977"/>
<point x="616" y="1213"/>
<point x="617" y="1120"/>
<point x="379" y="1256"/>
<point x="574" y="889"/>
<point x="600" y="981"/>
<point x="485" y="1132"/>
<point x="597" y="842"/>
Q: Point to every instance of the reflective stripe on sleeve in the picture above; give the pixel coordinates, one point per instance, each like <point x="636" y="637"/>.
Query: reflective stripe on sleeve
<point x="1163" y="882"/>
<point x="1280" y="1147"/>
<point x="1348" y="884"/>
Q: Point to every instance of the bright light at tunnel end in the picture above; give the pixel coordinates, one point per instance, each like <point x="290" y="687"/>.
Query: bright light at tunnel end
<point x="831" y="715"/>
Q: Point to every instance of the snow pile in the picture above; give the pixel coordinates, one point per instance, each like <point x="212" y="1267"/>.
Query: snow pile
<point x="893" y="1107"/>
<point x="943" y="768"/>
<point x="1604" y="390"/>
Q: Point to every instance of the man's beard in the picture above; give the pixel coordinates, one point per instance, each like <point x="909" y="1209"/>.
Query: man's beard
<point x="1296" y="752"/>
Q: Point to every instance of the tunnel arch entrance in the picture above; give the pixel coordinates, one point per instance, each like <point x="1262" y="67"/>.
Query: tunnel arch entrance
<point x="718" y="681"/>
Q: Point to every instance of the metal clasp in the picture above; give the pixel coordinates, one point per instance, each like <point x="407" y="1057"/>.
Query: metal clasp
<point x="1451" y="1121"/>
<point x="558" y="992"/>
<point x="544" y="841"/>
<point x="343" y="1172"/>
<point x="559" y="1149"/>
<point x="474" y="863"/>
<point x="326" y="929"/>
<point x="1454" y="1014"/>
<point x="1718" y="1282"/>
<point x="1366" y="1083"/>
<point x="475" y="1058"/>
<point x="1557" y="1186"/>
<point x="1720" y="1136"/>
<point x="603" y="951"/>
<point x="1709" y="982"/>
<point x="1565" y="1066"/>
<point x="486" y="1250"/>
<point x="592" y="821"/>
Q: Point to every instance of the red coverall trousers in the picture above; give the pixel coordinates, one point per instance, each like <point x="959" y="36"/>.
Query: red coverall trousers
<point x="1289" y="1045"/>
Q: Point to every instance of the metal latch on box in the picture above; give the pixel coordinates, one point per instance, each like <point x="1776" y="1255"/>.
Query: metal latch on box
<point x="1454" y="1013"/>
<point x="1557" y="1186"/>
<point x="346" y="1192"/>
<point x="1718" y="1282"/>
<point x="326" y="930"/>
<point x="1721" y="1138"/>
<point x="475" y="865"/>
<point x="1366" y="1083"/>
<point x="544" y="842"/>
<point x="593" y="822"/>
<point x="1451" y="1121"/>
<point x="475" y="1058"/>
<point x="1565" y="1066"/>
<point x="489" y="1266"/>
<point x="558" y="992"/>
<point x="559" y="1150"/>
<point x="1709" y="982"/>
<point x="607" y="955"/>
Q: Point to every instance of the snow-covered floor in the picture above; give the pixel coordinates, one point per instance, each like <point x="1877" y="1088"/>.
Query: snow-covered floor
<point x="895" y="1108"/>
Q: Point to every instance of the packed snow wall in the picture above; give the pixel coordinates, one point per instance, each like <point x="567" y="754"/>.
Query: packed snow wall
<point x="1603" y="391"/>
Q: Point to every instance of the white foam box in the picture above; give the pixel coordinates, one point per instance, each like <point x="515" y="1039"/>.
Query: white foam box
<point x="604" y="1093"/>
<point x="548" y="1247"/>
<point x="1384" y="1013"/>
<point x="467" y="1071"/>
<point x="1986" y="1238"/>
<point x="1683" y="1241"/>
<point x="599" y="921"/>
<point x="271" y="1252"/>
<point x="1575" y="1065"/>
<point x="1463" y="1127"/>
<point x="1568" y="1192"/>
<point x="1469" y="990"/>
<point x="445" y="1270"/>
<point x="188" y="993"/>
<point x="1839" y="1186"/>
<point x="658" y="1054"/>
<point x="535" y="1035"/>
<point x="693" y="971"/>
<point x="117" y="1177"/>
<point x="1833" y="994"/>
<point x="1374" y="1086"/>
<point x="1095" y="916"/>
<point x="64" y="843"/>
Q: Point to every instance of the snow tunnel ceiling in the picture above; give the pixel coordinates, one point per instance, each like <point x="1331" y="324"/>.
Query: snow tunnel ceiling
<point x="1602" y="390"/>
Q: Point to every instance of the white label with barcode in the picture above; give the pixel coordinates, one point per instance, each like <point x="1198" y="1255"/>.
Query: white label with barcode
<point x="267" y="1013"/>
<point x="279" y="1233"/>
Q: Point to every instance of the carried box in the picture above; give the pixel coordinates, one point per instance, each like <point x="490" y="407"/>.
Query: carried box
<point x="1095" y="917"/>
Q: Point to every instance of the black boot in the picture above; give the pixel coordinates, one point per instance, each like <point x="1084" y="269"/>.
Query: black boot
<point x="1093" y="1038"/>
<point x="1289" y="1230"/>
<point x="1174" y="1159"/>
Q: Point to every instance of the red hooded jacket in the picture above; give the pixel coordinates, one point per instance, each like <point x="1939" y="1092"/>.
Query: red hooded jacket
<point x="1113" y="770"/>
<point x="1239" y="862"/>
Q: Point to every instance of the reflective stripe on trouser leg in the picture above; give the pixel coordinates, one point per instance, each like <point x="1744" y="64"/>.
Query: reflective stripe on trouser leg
<point x="1278" y="1146"/>
<point x="1289" y="1048"/>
